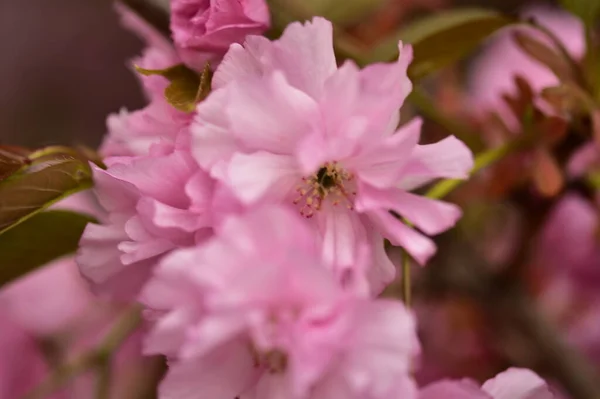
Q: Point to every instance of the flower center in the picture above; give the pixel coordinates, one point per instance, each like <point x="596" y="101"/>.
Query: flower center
<point x="330" y="181"/>
<point x="273" y="361"/>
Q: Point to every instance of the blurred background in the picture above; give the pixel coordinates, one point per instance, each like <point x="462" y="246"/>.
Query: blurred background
<point x="490" y="298"/>
<point x="64" y="66"/>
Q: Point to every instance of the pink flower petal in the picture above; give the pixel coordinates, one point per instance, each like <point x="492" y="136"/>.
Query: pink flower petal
<point x="342" y="233"/>
<point x="446" y="389"/>
<point x="449" y="158"/>
<point x="222" y="375"/>
<point x="384" y="88"/>
<point x="256" y="175"/>
<point x="516" y="383"/>
<point x="212" y="140"/>
<point x="382" y="165"/>
<point x="305" y="54"/>
<point x="242" y="62"/>
<point x="269" y="114"/>
<point x="431" y="216"/>
<point x="420" y="247"/>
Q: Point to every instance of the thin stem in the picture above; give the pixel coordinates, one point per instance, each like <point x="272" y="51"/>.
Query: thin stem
<point x="406" y="281"/>
<point x="103" y="383"/>
<point x="482" y="161"/>
<point x="95" y="358"/>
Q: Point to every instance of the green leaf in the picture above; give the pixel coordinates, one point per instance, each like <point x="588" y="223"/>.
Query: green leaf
<point x="342" y="12"/>
<point x="587" y="10"/>
<point x="40" y="239"/>
<point x="51" y="176"/>
<point x="187" y="88"/>
<point x="443" y="38"/>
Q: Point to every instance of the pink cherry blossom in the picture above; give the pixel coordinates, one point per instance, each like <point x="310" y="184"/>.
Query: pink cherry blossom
<point x="568" y="253"/>
<point x="254" y="312"/>
<point x="155" y="204"/>
<point x="133" y="132"/>
<point x="204" y="29"/>
<point x="569" y="241"/>
<point x="493" y="72"/>
<point x="286" y="125"/>
<point x="513" y="383"/>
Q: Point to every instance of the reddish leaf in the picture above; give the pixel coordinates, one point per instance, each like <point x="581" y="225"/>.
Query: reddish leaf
<point x="545" y="55"/>
<point x="547" y="175"/>
<point x="50" y="177"/>
<point x="11" y="160"/>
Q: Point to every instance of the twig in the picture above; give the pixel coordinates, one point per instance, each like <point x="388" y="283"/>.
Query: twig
<point x="103" y="383"/>
<point x="95" y="358"/>
<point x="406" y="280"/>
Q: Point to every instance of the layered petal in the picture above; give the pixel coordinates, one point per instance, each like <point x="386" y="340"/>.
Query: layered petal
<point x="449" y="158"/>
<point x="269" y="114"/>
<point x="261" y="174"/>
<point x="382" y="165"/>
<point x="517" y="383"/>
<point x="420" y="247"/>
<point x="305" y="55"/>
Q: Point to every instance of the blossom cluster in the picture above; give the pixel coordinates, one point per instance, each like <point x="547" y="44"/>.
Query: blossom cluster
<point x="253" y="229"/>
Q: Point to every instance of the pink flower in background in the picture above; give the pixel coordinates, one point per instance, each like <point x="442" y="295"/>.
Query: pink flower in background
<point x="46" y="300"/>
<point x="493" y="72"/>
<point x="285" y="125"/>
<point x="22" y="364"/>
<point x="568" y="255"/>
<point x="513" y="383"/>
<point x="569" y="242"/>
<point x="155" y="204"/>
<point x="54" y="305"/>
<point x="254" y="312"/>
<point x="204" y="29"/>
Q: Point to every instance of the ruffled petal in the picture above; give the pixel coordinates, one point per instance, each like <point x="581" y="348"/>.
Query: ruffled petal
<point x="516" y="383"/>
<point x="224" y="374"/>
<point x="460" y="389"/>
<point x="212" y="139"/>
<point x="261" y="174"/>
<point x="449" y="158"/>
<point x="420" y="247"/>
<point x="342" y="232"/>
<point x="431" y="216"/>
<point x="242" y="62"/>
<point x="382" y="165"/>
<point x="305" y="54"/>
<point x="269" y="114"/>
<point x="384" y="87"/>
